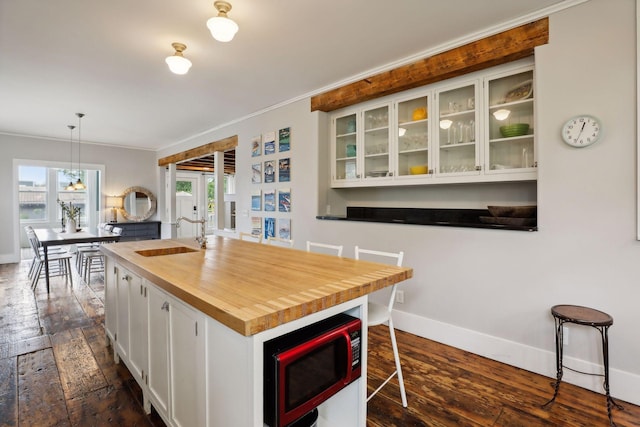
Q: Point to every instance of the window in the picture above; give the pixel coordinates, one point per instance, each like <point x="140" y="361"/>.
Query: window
<point x="32" y="193"/>
<point x="41" y="187"/>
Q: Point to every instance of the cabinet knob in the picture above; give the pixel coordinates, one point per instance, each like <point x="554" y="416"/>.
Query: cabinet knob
<point x="125" y="277"/>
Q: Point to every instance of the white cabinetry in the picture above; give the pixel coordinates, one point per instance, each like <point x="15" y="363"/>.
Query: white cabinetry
<point x="450" y="132"/>
<point x="362" y="155"/>
<point x="126" y="320"/>
<point x="176" y="360"/>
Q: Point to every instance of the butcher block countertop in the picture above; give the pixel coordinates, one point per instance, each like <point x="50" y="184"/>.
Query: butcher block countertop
<point x="251" y="287"/>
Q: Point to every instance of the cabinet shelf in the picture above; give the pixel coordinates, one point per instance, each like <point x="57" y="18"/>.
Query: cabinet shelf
<point x="344" y="159"/>
<point x="414" y="150"/>
<point x="512" y="138"/>
<point x="368" y="156"/>
<point x="458" y="145"/>
<point x="414" y="123"/>
<point x="378" y="130"/>
<point x="463" y="113"/>
<point x="511" y="104"/>
<point x="345" y="135"/>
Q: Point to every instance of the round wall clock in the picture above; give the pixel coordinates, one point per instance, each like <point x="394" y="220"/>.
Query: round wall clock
<point x="581" y="131"/>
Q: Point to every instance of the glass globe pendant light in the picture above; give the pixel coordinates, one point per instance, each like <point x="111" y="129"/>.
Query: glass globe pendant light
<point x="177" y="63"/>
<point x="71" y="128"/>
<point x="222" y="27"/>
<point x="79" y="185"/>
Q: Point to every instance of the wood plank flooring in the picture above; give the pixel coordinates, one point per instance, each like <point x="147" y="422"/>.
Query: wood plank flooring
<point x="55" y="370"/>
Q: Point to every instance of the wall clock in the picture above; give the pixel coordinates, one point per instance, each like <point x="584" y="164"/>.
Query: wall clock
<point x="581" y="131"/>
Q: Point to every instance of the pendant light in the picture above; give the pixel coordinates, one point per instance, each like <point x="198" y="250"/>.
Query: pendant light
<point x="71" y="128"/>
<point x="177" y="63"/>
<point x="79" y="185"/>
<point x="222" y="28"/>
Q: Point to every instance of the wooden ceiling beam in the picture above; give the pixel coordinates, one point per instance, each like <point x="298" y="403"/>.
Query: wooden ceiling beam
<point x="494" y="50"/>
<point x="204" y="150"/>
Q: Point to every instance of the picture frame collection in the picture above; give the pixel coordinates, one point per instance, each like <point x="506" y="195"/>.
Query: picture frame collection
<point x="271" y="173"/>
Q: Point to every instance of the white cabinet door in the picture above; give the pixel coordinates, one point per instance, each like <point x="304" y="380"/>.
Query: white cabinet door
<point x="158" y="348"/>
<point x="187" y="365"/>
<point x="138" y="324"/>
<point x="110" y="304"/>
<point x="457" y="136"/>
<point x="345" y="149"/>
<point x="123" y="279"/>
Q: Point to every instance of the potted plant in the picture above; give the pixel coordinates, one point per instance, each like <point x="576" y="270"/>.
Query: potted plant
<point x="72" y="215"/>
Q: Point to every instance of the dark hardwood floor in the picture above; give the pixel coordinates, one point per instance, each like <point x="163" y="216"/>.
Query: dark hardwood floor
<point x="55" y="370"/>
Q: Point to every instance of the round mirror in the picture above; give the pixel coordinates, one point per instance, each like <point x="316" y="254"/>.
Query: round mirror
<point x="139" y="204"/>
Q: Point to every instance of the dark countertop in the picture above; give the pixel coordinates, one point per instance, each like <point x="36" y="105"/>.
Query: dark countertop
<point x="469" y="218"/>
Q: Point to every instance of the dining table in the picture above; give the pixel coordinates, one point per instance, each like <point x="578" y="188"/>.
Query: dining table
<point x="56" y="237"/>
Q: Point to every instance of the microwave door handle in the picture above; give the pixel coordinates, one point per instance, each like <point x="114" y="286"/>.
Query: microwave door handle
<point x="349" y="356"/>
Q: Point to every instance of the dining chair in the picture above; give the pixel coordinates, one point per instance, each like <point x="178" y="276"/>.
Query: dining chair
<point x="59" y="262"/>
<point x="379" y="314"/>
<point x="256" y="238"/>
<point x="277" y="241"/>
<point x="324" y="248"/>
<point x="92" y="259"/>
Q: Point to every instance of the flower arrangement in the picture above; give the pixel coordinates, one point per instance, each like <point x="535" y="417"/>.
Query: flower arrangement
<point x="70" y="211"/>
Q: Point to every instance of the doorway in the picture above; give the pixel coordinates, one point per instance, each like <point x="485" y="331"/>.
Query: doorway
<point x="187" y="204"/>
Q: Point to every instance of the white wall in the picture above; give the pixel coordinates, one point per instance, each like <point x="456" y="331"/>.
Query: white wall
<point x="123" y="168"/>
<point x="490" y="291"/>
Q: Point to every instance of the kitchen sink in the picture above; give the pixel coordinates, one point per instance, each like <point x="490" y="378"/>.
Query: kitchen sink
<point x="166" y="251"/>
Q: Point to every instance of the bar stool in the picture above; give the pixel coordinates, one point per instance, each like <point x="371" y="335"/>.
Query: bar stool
<point x="589" y="317"/>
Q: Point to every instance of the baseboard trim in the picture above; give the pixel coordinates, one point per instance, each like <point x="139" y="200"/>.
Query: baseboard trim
<point x="624" y="385"/>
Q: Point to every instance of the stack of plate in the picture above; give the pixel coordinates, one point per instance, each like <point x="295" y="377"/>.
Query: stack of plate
<point x="516" y="129"/>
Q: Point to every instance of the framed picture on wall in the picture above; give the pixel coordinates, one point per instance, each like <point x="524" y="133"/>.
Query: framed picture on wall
<point x="256" y="200"/>
<point x="284" y="170"/>
<point x="269" y="141"/>
<point x="256" y="173"/>
<point x="284" y="200"/>
<point x="284" y="228"/>
<point x="270" y="171"/>
<point x="256" y="225"/>
<point x="284" y="140"/>
<point x="270" y="200"/>
<point x="269" y="227"/>
<point x="255" y="146"/>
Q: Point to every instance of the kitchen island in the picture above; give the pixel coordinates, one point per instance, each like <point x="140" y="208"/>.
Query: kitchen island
<point x="190" y="324"/>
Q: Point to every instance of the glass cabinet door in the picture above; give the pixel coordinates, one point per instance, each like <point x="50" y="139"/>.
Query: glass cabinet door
<point x="457" y="131"/>
<point x="413" y="137"/>
<point x="376" y="142"/>
<point x="346" y="147"/>
<point x="510" y="123"/>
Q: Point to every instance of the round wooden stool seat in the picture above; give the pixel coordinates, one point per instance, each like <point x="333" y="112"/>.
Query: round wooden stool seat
<point x="581" y="315"/>
<point x="565" y="313"/>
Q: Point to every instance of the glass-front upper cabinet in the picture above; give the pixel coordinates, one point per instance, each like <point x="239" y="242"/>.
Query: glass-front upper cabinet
<point x="413" y="137"/>
<point x="376" y="139"/>
<point x="345" y="147"/>
<point x="457" y="131"/>
<point x="510" y="122"/>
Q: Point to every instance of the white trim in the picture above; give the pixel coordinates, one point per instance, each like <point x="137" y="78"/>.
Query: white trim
<point x="624" y="385"/>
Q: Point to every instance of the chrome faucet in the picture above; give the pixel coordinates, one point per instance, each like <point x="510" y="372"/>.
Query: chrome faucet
<point x="201" y="239"/>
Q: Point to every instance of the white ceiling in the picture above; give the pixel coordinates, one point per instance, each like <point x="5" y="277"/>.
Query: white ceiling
<point x="106" y="58"/>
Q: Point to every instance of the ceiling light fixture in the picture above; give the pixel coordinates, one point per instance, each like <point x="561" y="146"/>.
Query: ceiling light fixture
<point x="70" y="187"/>
<point x="79" y="185"/>
<point x="177" y="63"/>
<point x="222" y="27"/>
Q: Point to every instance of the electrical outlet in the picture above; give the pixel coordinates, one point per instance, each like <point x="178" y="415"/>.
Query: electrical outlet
<point x="400" y="297"/>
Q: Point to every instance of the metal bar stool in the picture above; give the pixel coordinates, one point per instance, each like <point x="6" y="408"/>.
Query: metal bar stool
<point x="589" y="317"/>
